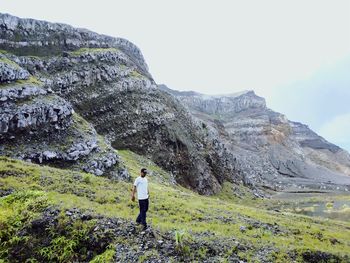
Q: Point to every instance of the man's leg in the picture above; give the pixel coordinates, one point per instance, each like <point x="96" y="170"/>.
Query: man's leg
<point x="143" y="209"/>
<point x="138" y="219"/>
<point x="146" y="209"/>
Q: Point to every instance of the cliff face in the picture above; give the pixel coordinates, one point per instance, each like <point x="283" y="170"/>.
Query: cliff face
<point x="270" y="150"/>
<point x="104" y="80"/>
<point x="37" y="125"/>
<point x="69" y="97"/>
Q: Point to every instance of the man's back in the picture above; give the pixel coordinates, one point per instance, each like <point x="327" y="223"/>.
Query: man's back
<point x="141" y="184"/>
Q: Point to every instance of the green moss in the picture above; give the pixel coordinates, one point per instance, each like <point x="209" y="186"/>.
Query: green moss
<point x="79" y="128"/>
<point x="30" y="81"/>
<point x="149" y="256"/>
<point x="81" y="124"/>
<point x="105" y="257"/>
<point x="136" y="74"/>
<point x="9" y="62"/>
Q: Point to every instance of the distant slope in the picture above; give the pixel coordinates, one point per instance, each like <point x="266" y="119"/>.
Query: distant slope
<point x="271" y="150"/>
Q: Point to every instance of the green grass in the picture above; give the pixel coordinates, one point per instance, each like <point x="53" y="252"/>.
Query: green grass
<point x="9" y="62"/>
<point x="136" y="74"/>
<point x="81" y="124"/>
<point x="173" y="207"/>
<point x="30" y="81"/>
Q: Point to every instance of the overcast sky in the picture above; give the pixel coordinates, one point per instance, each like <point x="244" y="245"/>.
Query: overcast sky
<point x="294" y="53"/>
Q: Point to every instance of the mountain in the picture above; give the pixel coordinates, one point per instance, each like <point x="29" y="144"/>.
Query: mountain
<point x="80" y="114"/>
<point x="68" y="95"/>
<point x="270" y="150"/>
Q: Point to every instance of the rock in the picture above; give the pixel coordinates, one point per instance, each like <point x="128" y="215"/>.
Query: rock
<point x="239" y="140"/>
<point x="5" y="192"/>
<point x="36" y="115"/>
<point x="242" y="229"/>
<point x="265" y="145"/>
<point x="10" y="71"/>
<point x="49" y="155"/>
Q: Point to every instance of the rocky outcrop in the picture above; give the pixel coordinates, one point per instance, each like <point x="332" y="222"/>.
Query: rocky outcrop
<point x="222" y="105"/>
<point x="38" y="126"/>
<point x="268" y="149"/>
<point x="319" y="150"/>
<point x="106" y="81"/>
<point x="19" y="92"/>
<point x="40" y="113"/>
<point x="10" y="71"/>
<point x="35" y="37"/>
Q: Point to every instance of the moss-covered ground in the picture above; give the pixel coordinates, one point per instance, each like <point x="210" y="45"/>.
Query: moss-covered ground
<point x="31" y="188"/>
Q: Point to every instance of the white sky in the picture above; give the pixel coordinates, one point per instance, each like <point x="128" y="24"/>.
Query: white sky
<point x="224" y="46"/>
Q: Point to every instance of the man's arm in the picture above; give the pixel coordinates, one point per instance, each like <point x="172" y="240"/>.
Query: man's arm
<point x="133" y="193"/>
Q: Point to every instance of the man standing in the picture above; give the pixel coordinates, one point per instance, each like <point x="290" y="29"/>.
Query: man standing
<point x="141" y="186"/>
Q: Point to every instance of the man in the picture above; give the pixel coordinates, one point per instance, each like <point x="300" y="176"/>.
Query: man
<point x="141" y="186"/>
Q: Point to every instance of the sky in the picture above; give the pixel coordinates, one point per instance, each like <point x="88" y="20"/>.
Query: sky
<point x="295" y="54"/>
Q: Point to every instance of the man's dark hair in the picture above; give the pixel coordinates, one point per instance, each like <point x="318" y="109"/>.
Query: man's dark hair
<point x="144" y="170"/>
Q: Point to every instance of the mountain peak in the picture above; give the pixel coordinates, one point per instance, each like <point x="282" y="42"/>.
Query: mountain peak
<point x="220" y="103"/>
<point x="26" y="36"/>
<point x="191" y="93"/>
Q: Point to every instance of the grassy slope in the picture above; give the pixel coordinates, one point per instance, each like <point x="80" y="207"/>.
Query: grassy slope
<point x="172" y="207"/>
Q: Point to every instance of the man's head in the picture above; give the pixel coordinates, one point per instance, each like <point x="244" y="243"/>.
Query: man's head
<point x="143" y="172"/>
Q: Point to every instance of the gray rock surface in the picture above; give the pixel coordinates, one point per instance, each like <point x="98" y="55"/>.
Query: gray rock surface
<point x="35" y="37"/>
<point x="38" y="126"/>
<point x="50" y="113"/>
<point x="203" y="143"/>
<point x="120" y="99"/>
<point x="270" y="151"/>
<point x="10" y="71"/>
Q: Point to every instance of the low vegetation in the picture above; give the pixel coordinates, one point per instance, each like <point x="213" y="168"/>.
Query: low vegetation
<point x="30" y="81"/>
<point x="29" y="191"/>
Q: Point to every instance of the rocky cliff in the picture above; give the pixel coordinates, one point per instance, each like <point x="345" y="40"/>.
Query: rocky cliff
<point x="270" y="150"/>
<point x="53" y="70"/>
<point x="40" y="126"/>
<point x="71" y="97"/>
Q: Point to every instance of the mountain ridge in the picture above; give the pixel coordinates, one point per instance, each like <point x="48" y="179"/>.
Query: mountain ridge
<point x="245" y="123"/>
<point x="108" y="86"/>
<point x="80" y="116"/>
<point x="203" y="141"/>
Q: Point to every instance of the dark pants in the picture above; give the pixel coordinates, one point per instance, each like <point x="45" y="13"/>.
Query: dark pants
<point x="141" y="219"/>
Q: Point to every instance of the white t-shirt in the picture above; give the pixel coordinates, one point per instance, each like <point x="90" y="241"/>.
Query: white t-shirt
<point x="141" y="184"/>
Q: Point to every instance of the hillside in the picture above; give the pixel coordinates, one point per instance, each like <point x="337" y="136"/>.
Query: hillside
<point x="230" y="179"/>
<point x="56" y="215"/>
<point x="272" y="151"/>
<point x="52" y="69"/>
